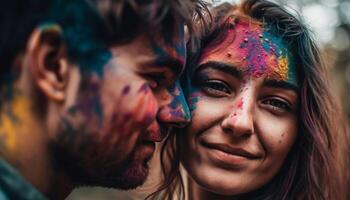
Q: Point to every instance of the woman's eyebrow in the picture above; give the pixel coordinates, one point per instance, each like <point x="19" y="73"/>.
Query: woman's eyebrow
<point x="281" y="84"/>
<point x="223" y="67"/>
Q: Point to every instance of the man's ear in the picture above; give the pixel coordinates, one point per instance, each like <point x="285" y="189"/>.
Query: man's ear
<point x="48" y="61"/>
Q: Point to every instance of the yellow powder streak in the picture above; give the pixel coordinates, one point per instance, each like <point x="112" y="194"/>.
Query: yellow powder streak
<point x="283" y="67"/>
<point x="10" y="128"/>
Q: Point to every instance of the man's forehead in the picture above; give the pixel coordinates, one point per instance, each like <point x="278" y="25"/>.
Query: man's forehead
<point x="171" y="54"/>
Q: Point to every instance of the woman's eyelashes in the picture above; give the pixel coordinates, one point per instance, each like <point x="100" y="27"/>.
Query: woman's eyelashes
<point x="216" y="88"/>
<point x="212" y="85"/>
<point x="276" y="105"/>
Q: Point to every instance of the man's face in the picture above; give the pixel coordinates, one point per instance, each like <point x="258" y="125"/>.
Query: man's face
<point x="107" y="136"/>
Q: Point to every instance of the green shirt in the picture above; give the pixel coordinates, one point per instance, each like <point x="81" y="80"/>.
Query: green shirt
<point x="14" y="187"/>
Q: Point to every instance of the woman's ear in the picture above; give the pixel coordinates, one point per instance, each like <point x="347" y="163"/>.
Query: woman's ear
<point x="48" y="61"/>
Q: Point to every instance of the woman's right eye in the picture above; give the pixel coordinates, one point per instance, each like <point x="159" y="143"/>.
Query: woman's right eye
<point x="215" y="88"/>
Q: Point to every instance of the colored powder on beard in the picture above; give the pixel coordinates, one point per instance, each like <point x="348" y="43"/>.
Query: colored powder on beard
<point x="121" y="122"/>
<point x="149" y="117"/>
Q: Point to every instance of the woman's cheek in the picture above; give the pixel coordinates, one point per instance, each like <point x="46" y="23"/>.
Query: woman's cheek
<point x="193" y="99"/>
<point x="277" y="134"/>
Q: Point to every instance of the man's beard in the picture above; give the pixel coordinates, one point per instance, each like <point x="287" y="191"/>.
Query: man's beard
<point x="79" y="155"/>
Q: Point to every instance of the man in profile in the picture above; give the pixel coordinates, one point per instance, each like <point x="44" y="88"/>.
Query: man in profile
<point x="87" y="88"/>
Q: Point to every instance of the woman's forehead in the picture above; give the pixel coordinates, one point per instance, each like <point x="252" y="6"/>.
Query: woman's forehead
<point x="254" y="50"/>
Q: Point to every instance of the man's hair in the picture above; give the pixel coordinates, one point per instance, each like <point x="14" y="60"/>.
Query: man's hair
<point x="17" y="21"/>
<point x="89" y="25"/>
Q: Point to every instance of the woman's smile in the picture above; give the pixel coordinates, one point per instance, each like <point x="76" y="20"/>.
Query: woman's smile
<point x="227" y="156"/>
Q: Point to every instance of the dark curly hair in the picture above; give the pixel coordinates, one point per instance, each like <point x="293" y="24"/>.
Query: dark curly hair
<point x="90" y="22"/>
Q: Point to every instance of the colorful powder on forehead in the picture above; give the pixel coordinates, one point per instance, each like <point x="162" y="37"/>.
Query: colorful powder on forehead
<point x="263" y="52"/>
<point x="256" y="51"/>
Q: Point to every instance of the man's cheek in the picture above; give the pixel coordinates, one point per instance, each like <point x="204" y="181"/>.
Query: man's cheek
<point x="141" y="105"/>
<point x="147" y="109"/>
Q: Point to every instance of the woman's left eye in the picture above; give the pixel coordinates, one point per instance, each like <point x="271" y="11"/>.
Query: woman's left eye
<point x="277" y="105"/>
<point x="215" y="88"/>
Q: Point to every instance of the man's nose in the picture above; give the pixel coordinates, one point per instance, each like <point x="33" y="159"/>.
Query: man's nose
<point x="240" y="120"/>
<point x="175" y="113"/>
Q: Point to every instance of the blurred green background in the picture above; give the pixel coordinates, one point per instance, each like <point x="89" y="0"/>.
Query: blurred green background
<point x="329" y="21"/>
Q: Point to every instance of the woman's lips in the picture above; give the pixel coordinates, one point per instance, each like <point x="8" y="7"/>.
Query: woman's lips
<point x="228" y="156"/>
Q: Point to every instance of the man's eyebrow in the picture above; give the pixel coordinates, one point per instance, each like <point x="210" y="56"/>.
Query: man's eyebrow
<point x="281" y="84"/>
<point x="223" y="67"/>
<point x="174" y="64"/>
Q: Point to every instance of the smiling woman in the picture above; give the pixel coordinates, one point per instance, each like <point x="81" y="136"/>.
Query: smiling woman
<point x="265" y="124"/>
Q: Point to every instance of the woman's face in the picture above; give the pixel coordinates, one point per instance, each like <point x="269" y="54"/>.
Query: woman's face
<point x="244" y="104"/>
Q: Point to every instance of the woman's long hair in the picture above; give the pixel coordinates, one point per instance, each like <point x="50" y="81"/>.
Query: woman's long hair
<point x="315" y="166"/>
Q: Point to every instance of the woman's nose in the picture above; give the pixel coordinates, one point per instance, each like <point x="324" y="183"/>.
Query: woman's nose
<point x="239" y="120"/>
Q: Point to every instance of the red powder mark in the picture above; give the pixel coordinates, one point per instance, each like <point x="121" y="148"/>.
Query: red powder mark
<point x="240" y="103"/>
<point x="143" y="88"/>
